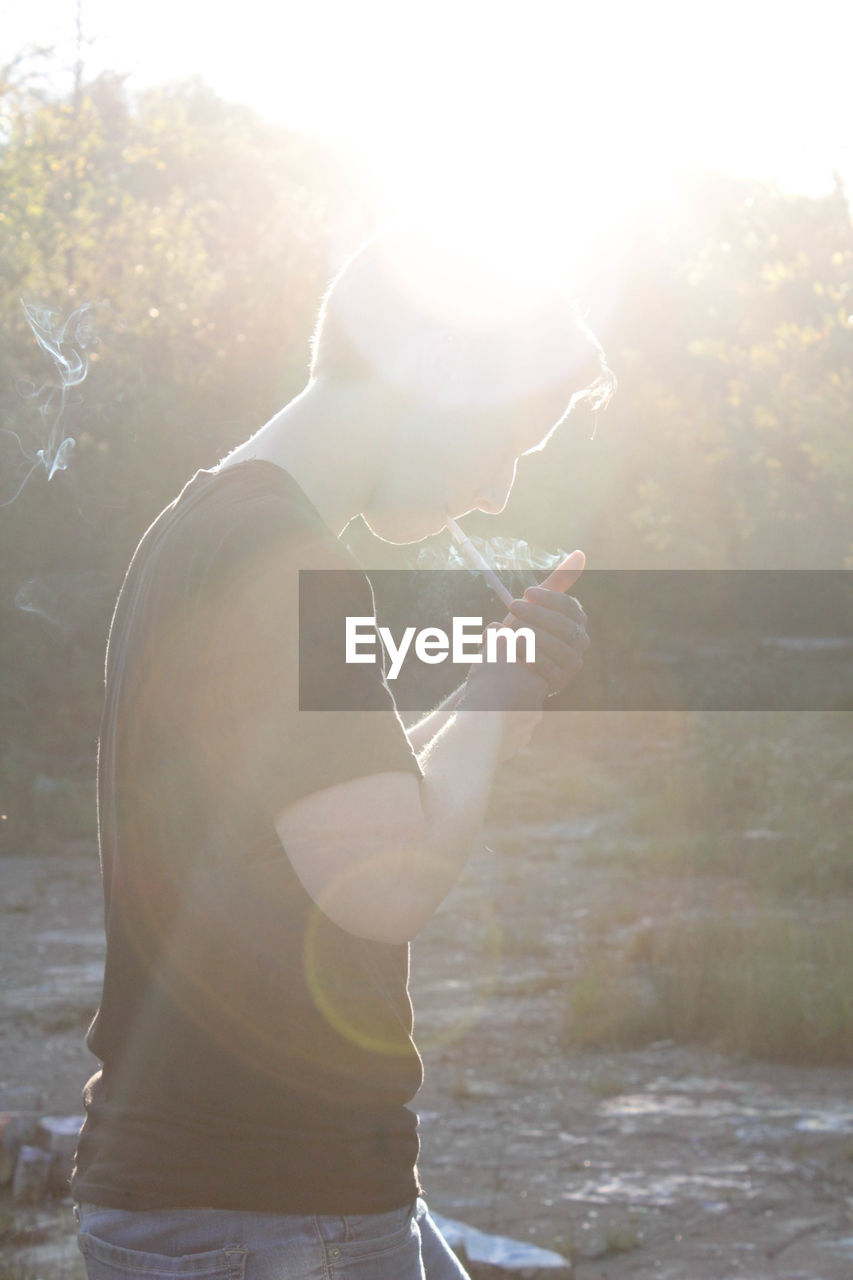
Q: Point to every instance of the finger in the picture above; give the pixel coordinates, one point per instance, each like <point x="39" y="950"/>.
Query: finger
<point x="559" y="677"/>
<point x="579" y="608"/>
<point x="556" y="602"/>
<point x="560" y="651"/>
<point x="503" y="650"/>
<point x="563" y="623"/>
<point x="557" y="649"/>
<point x="556" y="676"/>
<point x="567" y="573"/>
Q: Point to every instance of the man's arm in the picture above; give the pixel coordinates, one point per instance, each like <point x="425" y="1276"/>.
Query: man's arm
<point x="423" y="731"/>
<point x="378" y="854"/>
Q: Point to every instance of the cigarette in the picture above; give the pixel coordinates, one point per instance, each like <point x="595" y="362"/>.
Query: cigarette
<point x="472" y="555"/>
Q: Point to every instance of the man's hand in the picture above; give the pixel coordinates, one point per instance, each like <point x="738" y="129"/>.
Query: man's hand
<point x="560" y="626"/>
<point x="558" y="621"/>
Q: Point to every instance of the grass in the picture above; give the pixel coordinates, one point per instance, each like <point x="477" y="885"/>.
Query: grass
<point x="724" y="852"/>
<point x="622" y="1237"/>
<point x="39" y="1244"/>
<point x="768" y="797"/>
<point x="15" y="1269"/>
<point x="45" y="811"/>
<point x="527" y="792"/>
<point x="607" y="1084"/>
<point x="764" y="986"/>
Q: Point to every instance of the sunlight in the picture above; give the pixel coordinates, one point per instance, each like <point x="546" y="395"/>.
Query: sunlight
<point x="541" y="224"/>
<point x="583" y="112"/>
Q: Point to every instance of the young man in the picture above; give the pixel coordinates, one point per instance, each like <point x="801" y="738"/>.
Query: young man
<point x="264" y="867"/>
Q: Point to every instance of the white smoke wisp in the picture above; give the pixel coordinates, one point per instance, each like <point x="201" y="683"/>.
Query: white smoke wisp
<point x="521" y="564"/>
<point x="64" y="600"/>
<point x="504" y="555"/>
<point x="64" y="343"/>
<point x="517" y="555"/>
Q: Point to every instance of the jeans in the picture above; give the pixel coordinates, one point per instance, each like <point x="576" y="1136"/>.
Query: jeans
<point x="226" y="1244"/>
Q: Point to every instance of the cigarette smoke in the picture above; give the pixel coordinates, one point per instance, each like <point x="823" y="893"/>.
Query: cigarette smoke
<point x="516" y="555"/>
<point x="434" y="597"/>
<point x="64" y="343"/>
<point x="521" y="563"/>
<point x="65" y="600"/>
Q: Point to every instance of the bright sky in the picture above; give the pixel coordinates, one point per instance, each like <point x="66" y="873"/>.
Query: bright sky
<point x="578" y="111"/>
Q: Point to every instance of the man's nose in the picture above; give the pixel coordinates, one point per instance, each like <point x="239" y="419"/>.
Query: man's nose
<point x="492" y="506"/>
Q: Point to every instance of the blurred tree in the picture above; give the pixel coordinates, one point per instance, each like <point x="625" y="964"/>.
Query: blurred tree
<point x="193" y="242"/>
<point x="728" y="444"/>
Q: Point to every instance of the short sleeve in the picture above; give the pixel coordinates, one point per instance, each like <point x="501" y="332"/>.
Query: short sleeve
<point x="280" y="752"/>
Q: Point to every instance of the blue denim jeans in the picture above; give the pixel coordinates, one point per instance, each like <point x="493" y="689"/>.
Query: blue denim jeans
<point x="226" y="1244"/>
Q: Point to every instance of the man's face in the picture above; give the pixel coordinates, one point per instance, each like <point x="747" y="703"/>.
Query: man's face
<point x="452" y="463"/>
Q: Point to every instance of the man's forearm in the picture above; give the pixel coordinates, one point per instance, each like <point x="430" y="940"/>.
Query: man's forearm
<point x="379" y="854"/>
<point x="459" y="765"/>
<point x="422" y="733"/>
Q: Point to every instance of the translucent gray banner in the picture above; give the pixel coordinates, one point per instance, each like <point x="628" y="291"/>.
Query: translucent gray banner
<point x="716" y="640"/>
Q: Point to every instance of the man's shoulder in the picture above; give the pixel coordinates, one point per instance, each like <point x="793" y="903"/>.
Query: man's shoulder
<point x="249" y="511"/>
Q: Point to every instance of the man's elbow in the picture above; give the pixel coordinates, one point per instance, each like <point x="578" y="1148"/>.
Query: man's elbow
<point x="388" y="896"/>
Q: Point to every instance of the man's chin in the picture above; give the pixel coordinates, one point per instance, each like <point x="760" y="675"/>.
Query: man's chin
<point x="406" y="531"/>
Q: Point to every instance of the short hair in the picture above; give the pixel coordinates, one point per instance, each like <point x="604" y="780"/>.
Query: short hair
<point x="457" y="335"/>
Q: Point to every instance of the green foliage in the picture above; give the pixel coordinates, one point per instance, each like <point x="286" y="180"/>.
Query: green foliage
<point x="199" y="238"/>
<point x="728" y="443"/>
<point x="727" y="915"/>
<point x="198" y="235"/>
<point x="765" y="985"/>
<point x="196" y="238"/>
<point x="767" y="797"/>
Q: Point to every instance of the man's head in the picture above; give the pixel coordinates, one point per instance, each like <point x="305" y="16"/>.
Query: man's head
<point x="472" y="366"/>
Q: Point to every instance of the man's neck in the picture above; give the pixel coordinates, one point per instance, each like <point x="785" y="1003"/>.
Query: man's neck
<point x="330" y="442"/>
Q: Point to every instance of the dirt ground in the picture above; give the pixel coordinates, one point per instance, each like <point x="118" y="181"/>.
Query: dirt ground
<point x="668" y="1162"/>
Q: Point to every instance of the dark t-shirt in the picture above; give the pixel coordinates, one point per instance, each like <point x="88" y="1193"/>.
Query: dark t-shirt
<point x="255" y="1056"/>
